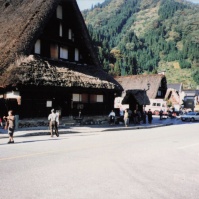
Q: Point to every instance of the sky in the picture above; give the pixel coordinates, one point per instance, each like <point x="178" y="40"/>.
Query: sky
<point x="86" y="4"/>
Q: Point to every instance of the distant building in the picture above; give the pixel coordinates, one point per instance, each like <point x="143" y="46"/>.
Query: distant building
<point x="47" y="60"/>
<point x="174" y="95"/>
<point x="158" y="84"/>
<point x="141" y="88"/>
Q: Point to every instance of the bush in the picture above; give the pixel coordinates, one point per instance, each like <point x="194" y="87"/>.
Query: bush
<point x="184" y="64"/>
<point x="196" y="76"/>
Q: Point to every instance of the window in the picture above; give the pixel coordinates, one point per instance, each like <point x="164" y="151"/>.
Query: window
<point x="158" y="104"/>
<point x="96" y="98"/>
<point x="76" y="54"/>
<point x="59" y="12"/>
<point x="100" y="98"/>
<point x="54" y="51"/>
<point x="60" y="30"/>
<point x="63" y="53"/>
<point x="80" y="98"/>
<point x="76" y="97"/>
<point x="70" y="34"/>
<point x="84" y="98"/>
<point x="38" y="47"/>
<point x="93" y="98"/>
<point x="154" y="104"/>
<point x="159" y="93"/>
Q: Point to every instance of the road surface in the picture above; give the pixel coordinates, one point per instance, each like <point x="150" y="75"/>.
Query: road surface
<point x="159" y="163"/>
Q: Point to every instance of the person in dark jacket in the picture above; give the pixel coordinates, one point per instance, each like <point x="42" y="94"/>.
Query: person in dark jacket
<point x="150" y="117"/>
<point x="161" y="114"/>
<point x="144" y="117"/>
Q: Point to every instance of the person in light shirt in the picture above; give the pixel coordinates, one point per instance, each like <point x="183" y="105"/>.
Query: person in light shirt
<point x="112" y="117"/>
<point x="54" y="122"/>
<point x="126" y="118"/>
<point x="10" y="125"/>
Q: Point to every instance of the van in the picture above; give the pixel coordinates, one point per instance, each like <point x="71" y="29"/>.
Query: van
<point x="156" y="105"/>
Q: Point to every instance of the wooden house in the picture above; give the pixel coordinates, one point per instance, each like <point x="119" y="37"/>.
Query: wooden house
<point x="140" y="88"/>
<point x="47" y="60"/>
<point x="173" y="94"/>
<point x="157" y="82"/>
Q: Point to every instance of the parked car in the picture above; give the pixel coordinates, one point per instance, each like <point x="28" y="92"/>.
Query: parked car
<point x="190" y="116"/>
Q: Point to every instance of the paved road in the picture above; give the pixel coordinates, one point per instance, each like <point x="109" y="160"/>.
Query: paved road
<point x="160" y="163"/>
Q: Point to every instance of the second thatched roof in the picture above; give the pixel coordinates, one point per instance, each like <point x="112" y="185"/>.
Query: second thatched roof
<point x="139" y="82"/>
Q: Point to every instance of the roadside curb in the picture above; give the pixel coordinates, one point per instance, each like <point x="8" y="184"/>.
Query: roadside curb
<point x="92" y="130"/>
<point x="138" y="127"/>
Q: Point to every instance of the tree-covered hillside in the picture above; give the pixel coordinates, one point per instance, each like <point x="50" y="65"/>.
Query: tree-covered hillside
<point x="146" y="36"/>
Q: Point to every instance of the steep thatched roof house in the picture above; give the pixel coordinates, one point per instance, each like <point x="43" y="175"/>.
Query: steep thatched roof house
<point x="157" y="82"/>
<point x="139" y="88"/>
<point x="174" y="93"/>
<point x="47" y="60"/>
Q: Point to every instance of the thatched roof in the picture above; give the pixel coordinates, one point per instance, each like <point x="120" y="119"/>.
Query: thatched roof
<point x="21" y="24"/>
<point x="134" y="82"/>
<point x="172" y="95"/>
<point x="36" y="71"/>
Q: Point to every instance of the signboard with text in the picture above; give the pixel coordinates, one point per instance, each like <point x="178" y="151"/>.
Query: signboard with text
<point x="118" y="104"/>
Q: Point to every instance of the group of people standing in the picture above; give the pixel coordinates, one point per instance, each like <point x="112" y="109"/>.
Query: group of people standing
<point x="10" y="124"/>
<point x="134" y="117"/>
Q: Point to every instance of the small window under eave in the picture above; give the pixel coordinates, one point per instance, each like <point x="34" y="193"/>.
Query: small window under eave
<point x="60" y="30"/>
<point x="76" y="54"/>
<point x="63" y="53"/>
<point x="59" y="12"/>
<point x="54" y="51"/>
<point x="38" y="47"/>
<point x="70" y="34"/>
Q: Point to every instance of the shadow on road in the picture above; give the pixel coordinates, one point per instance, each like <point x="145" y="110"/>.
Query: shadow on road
<point x="32" y="141"/>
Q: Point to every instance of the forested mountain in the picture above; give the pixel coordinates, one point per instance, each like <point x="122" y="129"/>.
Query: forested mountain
<point x="146" y="36"/>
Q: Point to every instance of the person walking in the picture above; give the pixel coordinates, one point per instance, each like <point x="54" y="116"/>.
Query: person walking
<point x="126" y="118"/>
<point x="149" y="116"/>
<point x="54" y="122"/>
<point x="10" y="125"/>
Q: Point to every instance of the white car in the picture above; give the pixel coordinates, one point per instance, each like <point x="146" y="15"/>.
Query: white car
<point x="191" y="116"/>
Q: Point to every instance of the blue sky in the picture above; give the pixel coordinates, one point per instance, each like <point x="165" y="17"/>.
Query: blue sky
<point x="86" y="4"/>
